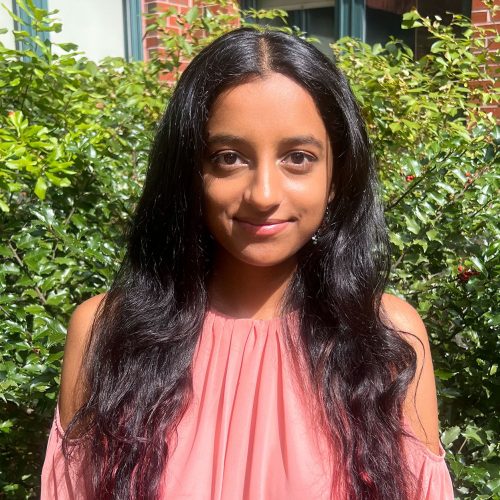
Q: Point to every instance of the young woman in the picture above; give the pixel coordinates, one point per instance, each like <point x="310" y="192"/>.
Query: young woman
<point x="246" y="349"/>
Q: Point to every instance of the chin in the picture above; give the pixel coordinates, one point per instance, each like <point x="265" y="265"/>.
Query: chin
<point x="264" y="259"/>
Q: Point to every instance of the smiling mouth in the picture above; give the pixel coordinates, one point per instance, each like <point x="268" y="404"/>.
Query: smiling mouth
<point x="264" y="228"/>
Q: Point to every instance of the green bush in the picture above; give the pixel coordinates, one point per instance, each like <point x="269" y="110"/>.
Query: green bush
<point x="438" y="161"/>
<point x="74" y="137"/>
<point x="73" y="142"/>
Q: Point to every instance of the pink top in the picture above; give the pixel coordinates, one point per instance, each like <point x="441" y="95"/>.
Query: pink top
<point x="248" y="433"/>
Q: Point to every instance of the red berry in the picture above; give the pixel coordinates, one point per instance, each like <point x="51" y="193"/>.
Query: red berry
<point x="467" y="174"/>
<point x="409" y="178"/>
<point x="464" y="276"/>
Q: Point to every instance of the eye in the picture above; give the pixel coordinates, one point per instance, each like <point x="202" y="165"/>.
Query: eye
<point x="299" y="159"/>
<point x="227" y="159"/>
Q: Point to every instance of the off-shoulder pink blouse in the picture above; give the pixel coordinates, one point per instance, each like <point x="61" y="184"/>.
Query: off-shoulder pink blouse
<point x="249" y="432"/>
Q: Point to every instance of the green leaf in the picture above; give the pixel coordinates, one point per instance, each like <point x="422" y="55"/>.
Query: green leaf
<point x="6" y="426"/>
<point x="477" y="263"/>
<point x="192" y="14"/>
<point x="3" y="206"/>
<point x="443" y="374"/>
<point x="68" y="47"/>
<point x="450" y="435"/>
<point x="395" y="238"/>
<point x="471" y="433"/>
<point x="411" y="20"/>
<point x="433" y="235"/>
<point x="422" y="243"/>
<point x="40" y="188"/>
<point x="411" y="224"/>
<point x="58" y="181"/>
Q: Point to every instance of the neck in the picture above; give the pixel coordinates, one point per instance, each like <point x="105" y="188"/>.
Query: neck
<point x="242" y="290"/>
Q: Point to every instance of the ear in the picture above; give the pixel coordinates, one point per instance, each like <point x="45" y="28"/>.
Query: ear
<point x="331" y="196"/>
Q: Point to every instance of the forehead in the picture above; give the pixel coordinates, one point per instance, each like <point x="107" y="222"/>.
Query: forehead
<point x="266" y="106"/>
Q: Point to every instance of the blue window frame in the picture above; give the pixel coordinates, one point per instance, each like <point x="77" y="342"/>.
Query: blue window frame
<point x="372" y="21"/>
<point x="132" y="18"/>
<point x="350" y="19"/>
<point x="323" y="20"/>
<point x="27" y="25"/>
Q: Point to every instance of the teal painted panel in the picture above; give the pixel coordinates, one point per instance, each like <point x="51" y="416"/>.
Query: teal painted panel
<point x="350" y="19"/>
<point x="26" y="24"/>
<point x="133" y="30"/>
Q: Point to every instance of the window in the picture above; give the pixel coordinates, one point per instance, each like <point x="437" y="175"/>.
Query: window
<point x="350" y="19"/>
<point x="317" y="22"/>
<point x="27" y="25"/>
<point x="383" y="19"/>
<point x="100" y="29"/>
<point x="326" y="20"/>
<point x="316" y="18"/>
<point x="373" y="21"/>
<point x="133" y="30"/>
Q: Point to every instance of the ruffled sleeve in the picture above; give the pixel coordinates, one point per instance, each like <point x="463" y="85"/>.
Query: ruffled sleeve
<point x="61" y="480"/>
<point x="433" y="481"/>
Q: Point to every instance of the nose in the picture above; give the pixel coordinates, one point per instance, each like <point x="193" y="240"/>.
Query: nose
<point x="264" y="191"/>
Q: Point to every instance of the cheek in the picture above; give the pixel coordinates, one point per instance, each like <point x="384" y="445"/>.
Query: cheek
<point x="310" y="197"/>
<point x="218" y="201"/>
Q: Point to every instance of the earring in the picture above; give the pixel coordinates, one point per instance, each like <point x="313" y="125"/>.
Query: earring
<point x="316" y="235"/>
<point x="327" y="215"/>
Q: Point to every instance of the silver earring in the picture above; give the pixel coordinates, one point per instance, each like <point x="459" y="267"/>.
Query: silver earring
<point x="315" y="236"/>
<point x="327" y="214"/>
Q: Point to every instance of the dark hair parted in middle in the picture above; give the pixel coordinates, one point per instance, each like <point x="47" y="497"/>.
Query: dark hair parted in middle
<point x="138" y="367"/>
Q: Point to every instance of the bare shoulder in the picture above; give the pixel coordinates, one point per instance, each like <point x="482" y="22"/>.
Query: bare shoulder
<point x="72" y="392"/>
<point x="421" y="402"/>
<point x="403" y="317"/>
<point x="401" y="314"/>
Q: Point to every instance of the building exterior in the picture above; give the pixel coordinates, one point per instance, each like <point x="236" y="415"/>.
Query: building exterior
<point x="481" y="17"/>
<point x="99" y="28"/>
<point x="327" y="20"/>
<point x="117" y="27"/>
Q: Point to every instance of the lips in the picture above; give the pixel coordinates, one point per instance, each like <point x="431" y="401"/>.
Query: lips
<point x="267" y="227"/>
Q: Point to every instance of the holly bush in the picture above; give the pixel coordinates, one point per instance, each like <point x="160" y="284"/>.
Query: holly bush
<point x="438" y="161"/>
<point x="74" y="137"/>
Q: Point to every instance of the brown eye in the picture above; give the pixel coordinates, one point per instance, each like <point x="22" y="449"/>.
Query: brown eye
<point x="297" y="158"/>
<point x="229" y="158"/>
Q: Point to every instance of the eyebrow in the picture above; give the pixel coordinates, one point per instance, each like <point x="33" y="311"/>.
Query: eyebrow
<point x="235" y="140"/>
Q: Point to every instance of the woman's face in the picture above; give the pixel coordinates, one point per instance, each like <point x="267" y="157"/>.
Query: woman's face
<point x="266" y="171"/>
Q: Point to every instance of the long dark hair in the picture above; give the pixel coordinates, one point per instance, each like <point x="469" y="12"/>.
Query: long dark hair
<point x="138" y="366"/>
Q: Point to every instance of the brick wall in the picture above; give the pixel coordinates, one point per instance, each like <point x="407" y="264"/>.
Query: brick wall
<point x="149" y="6"/>
<point x="151" y="44"/>
<point x="481" y="17"/>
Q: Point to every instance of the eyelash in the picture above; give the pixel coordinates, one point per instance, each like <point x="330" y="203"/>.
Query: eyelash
<point x="216" y="159"/>
<point x="307" y="158"/>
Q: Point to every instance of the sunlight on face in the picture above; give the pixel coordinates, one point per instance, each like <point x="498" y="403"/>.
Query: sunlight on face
<point x="267" y="170"/>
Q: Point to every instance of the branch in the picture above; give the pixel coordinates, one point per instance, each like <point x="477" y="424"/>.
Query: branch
<point x="41" y="296"/>
<point x="23" y="98"/>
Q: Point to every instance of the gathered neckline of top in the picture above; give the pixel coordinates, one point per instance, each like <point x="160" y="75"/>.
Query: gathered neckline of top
<point x="275" y="319"/>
